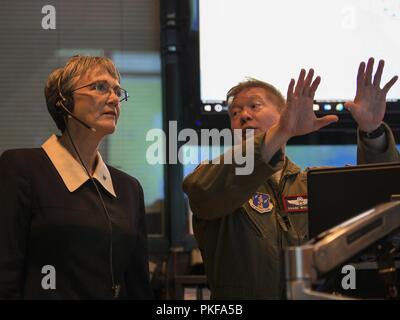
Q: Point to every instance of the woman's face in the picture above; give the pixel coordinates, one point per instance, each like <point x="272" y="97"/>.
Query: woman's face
<point x="97" y="103"/>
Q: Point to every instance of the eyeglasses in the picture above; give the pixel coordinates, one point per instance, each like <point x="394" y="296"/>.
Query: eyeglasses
<point x="103" y="87"/>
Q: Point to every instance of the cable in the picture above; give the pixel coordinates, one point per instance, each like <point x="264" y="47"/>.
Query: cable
<point x="115" y="287"/>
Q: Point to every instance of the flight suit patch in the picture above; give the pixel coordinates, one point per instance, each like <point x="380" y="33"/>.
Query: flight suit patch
<point x="261" y="202"/>
<point x="295" y="203"/>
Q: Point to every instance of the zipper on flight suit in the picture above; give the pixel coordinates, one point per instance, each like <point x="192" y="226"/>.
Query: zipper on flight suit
<point x="280" y="186"/>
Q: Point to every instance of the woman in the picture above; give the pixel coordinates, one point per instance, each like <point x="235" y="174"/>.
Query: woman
<point x="72" y="227"/>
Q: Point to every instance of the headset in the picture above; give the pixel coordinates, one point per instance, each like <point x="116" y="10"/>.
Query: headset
<point x="66" y="103"/>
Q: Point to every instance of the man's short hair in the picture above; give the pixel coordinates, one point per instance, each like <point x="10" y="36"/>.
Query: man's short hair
<point x="61" y="82"/>
<point x="271" y="92"/>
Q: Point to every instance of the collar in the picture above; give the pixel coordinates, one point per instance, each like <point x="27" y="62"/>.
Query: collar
<point x="290" y="167"/>
<point x="71" y="171"/>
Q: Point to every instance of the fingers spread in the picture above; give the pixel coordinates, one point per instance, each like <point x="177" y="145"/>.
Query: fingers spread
<point x="289" y="96"/>
<point x="378" y="74"/>
<point x="388" y="85"/>
<point x="324" y="121"/>
<point x="300" y="83"/>
<point x="307" y="82"/>
<point x="314" y="86"/>
<point x="349" y="105"/>
<point x="368" y="72"/>
<point x="360" y="76"/>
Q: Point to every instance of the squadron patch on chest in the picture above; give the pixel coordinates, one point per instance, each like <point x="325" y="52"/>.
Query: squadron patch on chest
<point x="296" y="203"/>
<point x="261" y="202"/>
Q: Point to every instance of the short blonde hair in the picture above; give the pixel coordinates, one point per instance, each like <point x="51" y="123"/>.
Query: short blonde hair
<point x="61" y="82"/>
<point x="272" y="93"/>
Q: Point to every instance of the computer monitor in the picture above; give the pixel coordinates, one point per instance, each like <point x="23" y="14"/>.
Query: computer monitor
<point x="338" y="194"/>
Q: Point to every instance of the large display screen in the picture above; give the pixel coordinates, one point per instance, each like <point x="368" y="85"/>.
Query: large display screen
<point x="273" y="40"/>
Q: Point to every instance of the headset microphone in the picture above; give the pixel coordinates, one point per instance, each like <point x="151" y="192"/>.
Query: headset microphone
<point x="71" y="115"/>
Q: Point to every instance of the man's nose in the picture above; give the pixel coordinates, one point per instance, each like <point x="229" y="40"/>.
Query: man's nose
<point x="245" y="116"/>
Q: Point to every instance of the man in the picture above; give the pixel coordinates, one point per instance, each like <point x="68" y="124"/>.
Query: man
<point x="243" y="223"/>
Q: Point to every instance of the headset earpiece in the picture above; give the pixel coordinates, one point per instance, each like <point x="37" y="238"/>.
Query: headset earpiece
<point x="65" y="106"/>
<point x="64" y="102"/>
<point x="62" y="105"/>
